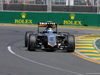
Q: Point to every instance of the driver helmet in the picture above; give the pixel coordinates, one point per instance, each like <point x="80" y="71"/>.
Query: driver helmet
<point x="50" y="30"/>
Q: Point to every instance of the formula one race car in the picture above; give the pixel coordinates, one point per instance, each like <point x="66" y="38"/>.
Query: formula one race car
<point x="49" y="39"/>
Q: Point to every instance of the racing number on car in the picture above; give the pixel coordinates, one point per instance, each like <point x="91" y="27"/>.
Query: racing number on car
<point x="51" y="38"/>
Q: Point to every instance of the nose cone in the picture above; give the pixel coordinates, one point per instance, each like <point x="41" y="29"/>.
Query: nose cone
<point x="51" y="39"/>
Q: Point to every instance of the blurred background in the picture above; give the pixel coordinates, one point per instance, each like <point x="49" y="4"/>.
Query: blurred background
<point x="88" y="6"/>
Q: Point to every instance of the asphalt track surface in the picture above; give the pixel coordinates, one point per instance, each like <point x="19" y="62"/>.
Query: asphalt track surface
<point x="17" y="60"/>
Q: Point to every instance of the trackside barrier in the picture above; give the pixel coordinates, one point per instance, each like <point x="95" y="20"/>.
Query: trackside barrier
<point x="74" y="19"/>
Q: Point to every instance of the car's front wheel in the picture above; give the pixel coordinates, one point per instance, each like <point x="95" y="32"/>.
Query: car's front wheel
<point x="71" y="43"/>
<point x="32" y="42"/>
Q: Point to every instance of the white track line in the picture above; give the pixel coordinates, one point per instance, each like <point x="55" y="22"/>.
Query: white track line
<point x="10" y="50"/>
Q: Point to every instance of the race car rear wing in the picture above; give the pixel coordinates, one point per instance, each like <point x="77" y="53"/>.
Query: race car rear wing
<point x="47" y="25"/>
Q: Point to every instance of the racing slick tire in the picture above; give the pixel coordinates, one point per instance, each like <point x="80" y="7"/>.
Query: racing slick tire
<point x="71" y="43"/>
<point x="32" y="42"/>
<point x="27" y="36"/>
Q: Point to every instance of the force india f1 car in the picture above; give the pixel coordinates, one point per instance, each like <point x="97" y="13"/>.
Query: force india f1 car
<point x="49" y="38"/>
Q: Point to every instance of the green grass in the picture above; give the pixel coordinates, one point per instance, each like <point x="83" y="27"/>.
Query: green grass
<point x="98" y="43"/>
<point x="60" y="26"/>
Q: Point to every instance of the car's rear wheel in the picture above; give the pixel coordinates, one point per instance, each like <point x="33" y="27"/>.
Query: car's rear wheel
<point x="32" y="42"/>
<point x="71" y="43"/>
<point x="27" y="36"/>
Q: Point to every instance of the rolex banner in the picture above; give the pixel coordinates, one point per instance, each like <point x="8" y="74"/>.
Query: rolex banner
<point x="71" y="19"/>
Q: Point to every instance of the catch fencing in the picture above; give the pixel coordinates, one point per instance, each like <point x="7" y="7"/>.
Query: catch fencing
<point x="87" y="6"/>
